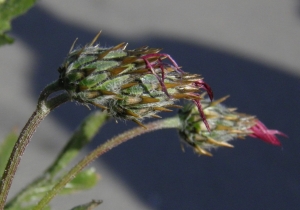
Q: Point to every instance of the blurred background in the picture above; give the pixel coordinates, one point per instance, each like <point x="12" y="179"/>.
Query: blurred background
<point x="248" y="49"/>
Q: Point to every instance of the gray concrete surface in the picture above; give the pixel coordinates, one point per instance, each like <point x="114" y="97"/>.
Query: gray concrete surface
<point x="248" y="49"/>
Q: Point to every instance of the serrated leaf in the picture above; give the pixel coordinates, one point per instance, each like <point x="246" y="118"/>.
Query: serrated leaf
<point x="83" y="181"/>
<point x="5" y="149"/>
<point x="89" y="206"/>
<point x="10" y="9"/>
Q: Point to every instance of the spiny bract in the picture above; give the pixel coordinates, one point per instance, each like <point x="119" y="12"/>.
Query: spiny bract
<point x="225" y="123"/>
<point x="129" y="84"/>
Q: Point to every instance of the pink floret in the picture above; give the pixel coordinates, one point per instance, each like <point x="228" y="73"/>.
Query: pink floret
<point x="161" y="65"/>
<point x="262" y="132"/>
<point x="199" y="84"/>
<point x="206" y="87"/>
<point x="202" y="115"/>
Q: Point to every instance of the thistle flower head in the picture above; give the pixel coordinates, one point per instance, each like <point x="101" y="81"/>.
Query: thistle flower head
<point x="129" y="84"/>
<point x="225" y="123"/>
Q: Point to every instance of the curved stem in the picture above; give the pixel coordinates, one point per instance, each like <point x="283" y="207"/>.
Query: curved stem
<point x="81" y="137"/>
<point x="43" y="109"/>
<point x="48" y="90"/>
<point x="173" y="122"/>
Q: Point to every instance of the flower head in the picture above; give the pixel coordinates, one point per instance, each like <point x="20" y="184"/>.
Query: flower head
<point x="129" y="84"/>
<point x="225" y="123"/>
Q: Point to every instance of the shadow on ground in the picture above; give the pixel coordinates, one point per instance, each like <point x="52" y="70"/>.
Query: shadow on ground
<point x="254" y="175"/>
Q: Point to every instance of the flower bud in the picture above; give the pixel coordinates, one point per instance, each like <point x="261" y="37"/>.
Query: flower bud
<point x="129" y="84"/>
<point x="225" y="125"/>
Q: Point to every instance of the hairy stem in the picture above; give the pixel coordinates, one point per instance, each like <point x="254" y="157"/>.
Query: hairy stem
<point x="108" y="145"/>
<point x="43" y="109"/>
<point x="81" y="137"/>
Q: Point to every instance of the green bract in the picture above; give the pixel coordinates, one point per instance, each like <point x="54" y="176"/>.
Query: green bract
<point x="224" y="122"/>
<point x="129" y="84"/>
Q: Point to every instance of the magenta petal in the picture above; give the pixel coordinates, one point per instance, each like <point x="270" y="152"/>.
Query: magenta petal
<point x="198" y="104"/>
<point x="161" y="65"/>
<point x="145" y="57"/>
<point x="205" y="86"/>
<point x="160" y="79"/>
<point x="262" y="132"/>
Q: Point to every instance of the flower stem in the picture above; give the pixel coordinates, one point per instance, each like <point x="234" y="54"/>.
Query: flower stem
<point x="81" y="137"/>
<point x="173" y="122"/>
<point x="43" y="109"/>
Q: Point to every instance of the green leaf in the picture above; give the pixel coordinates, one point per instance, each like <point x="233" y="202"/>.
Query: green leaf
<point x="83" y="135"/>
<point x="5" y="149"/>
<point x="83" y="181"/>
<point x="4" y="39"/>
<point x="89" y="206"/>
<point x="10" y="9"/>
<point x="28" y="207"/>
